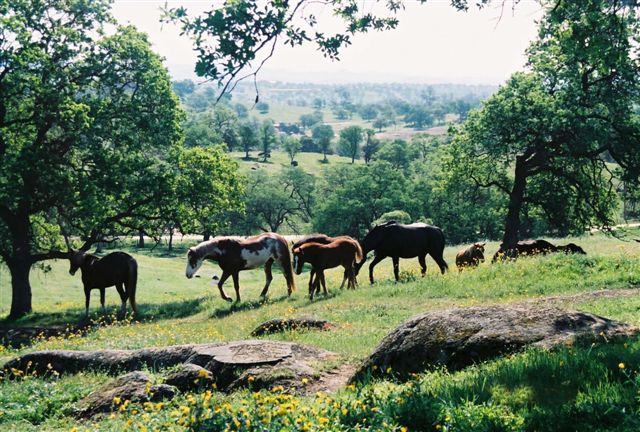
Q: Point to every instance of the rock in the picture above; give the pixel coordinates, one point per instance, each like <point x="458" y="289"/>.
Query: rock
<point x="283" y="324"/>
<point x="189" y="377"/>
<point x="134" y="387"/>
<point x="232" y="365"/>
<point x="457" y="338"/>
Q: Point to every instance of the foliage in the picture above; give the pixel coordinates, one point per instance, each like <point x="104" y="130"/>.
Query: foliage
<point x="370" y="147"/>
<point x="291" y="146"/>
<point x="355" y="196"/>
<point x="208" y="188"/>
<point x="274" y="200"/>
<point x="323" y="134"/>
<point x="267" y="139"/>
<point x="397" y="152"/>
<point x="350" y="139"/>
<point x="99" y="110"/>
<point x="247" y="132"/>
<point x="541" y="139"/>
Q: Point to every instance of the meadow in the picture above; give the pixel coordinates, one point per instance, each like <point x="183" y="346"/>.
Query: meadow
<point x="527" y="391"/>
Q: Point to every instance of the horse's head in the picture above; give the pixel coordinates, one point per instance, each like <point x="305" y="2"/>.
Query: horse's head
<point x="194" y="261"/>
<point x="76" y="259"/>
<point x="298" y="260"/>
<point x="477" y="252"/>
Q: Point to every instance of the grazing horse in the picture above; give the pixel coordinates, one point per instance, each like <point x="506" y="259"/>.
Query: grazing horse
<point x="322" y="239"/>
<point x="471" y="256"/>
<point x="526" y="247"/>
<point x="343" y="251"/>
<point x="395" y="240"/>
<point x="571" y="248"/>
<point x="234" y="254"/>
<point x="117" y="268"/>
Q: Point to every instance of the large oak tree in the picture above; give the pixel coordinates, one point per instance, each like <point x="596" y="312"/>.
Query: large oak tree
<point x="544" y="138"/>
<point x="86" y="124"/>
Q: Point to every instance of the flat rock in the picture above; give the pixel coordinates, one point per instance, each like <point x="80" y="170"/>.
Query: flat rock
<point x="231" y="365"/>
<point x="278" y="325"/>
<point x="457" y="338"/>
<point x="134" y="387"/>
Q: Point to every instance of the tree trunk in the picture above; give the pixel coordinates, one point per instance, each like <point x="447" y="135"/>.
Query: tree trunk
<point x="141" y="240"/>
<point x="516" y="198"/>
<point x="170" y="239"/>
<point x="324" y="153"/>
<point x="207" y="236"/>
<point x="20" y="267"/>
<point x="246" y="155"/>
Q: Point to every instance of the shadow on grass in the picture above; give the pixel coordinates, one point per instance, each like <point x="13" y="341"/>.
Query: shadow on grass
<point x="222" y="312"/>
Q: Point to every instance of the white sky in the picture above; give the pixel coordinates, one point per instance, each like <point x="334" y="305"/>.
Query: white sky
<point x="433" y="43"/>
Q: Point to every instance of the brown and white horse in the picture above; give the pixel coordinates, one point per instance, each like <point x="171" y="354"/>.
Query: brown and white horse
<point x="343" y="251"/>
<point x="234" y="254"/>
<point x="471" y="256"/>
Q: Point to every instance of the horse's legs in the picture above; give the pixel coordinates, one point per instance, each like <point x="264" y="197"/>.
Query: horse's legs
<point x="236" y="285"/>
<point x="268" y="275"/>
<point x="396" y="267"/>
<point x="323" y="282"/>
<point x="423" y="264"/>
<point x="102" y="295"/>
<point x="345" y="278"/>
<point x="87" y="296"/>
<point x="375" y="261"/>
<point x="123" y="298"/>
<point x="440" y="261"/>
<point x="311" y="284"/>
<point x="223" y="278"/>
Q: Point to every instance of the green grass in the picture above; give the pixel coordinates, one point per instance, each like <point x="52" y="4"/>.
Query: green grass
<point x="176" y="310"/>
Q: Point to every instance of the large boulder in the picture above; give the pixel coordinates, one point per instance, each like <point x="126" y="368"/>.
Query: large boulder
<point x="457" y="338"/>
<point x="132" y="387"/>
<point x="230" y="365"/>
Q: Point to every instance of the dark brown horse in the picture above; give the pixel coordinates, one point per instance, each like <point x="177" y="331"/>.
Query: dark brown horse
<point x="117" y="268"/>
<point x="571" y="248"/>
<point x="471" y="256"/>
<point x="234" y="254"/>
<point x="343" y="251"/>
<point x="536" y="247"/>
<point x="322" y="239"/>
<point x="397" y="241"/>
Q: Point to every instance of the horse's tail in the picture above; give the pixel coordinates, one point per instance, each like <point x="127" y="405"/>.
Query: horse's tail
<point x="287" y="267"/>
<point x="359" y="254"/>
<point x="132" y="284"/>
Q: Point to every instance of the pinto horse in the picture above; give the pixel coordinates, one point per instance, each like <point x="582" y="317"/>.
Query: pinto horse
<point x="395" y="240"/>
<point x="343" y="251"/>
<point x="322" y="239"/>
<point x="471" y="256"/>
<point x="234" y="254"/>
<point x="117" y="268"/>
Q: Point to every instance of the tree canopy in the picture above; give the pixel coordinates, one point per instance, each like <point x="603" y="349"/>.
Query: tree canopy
<point x="544" y="137"/>
<point x="82" y="116"/>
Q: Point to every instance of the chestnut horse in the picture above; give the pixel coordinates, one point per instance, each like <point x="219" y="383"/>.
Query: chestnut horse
<point x="471" y="256"/>
<point x="234" y="254"/>
<point x="322" y="239"/>
<point x="117" y="268"/>
<point x="343" y="251"/>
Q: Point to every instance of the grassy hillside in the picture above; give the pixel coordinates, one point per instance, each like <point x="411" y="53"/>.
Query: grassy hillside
<point x="309" y="162"/>
<point x="177" y="310"/>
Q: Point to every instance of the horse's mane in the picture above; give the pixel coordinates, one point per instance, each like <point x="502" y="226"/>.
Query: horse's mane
<point x="309" y="238"/>
<point x="208" y="246"/>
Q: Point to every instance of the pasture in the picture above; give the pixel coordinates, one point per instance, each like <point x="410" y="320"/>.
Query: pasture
<point x="175" y="310"/>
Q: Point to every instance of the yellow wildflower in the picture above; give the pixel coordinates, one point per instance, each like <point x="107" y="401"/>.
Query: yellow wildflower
<point x="621" y="365"/>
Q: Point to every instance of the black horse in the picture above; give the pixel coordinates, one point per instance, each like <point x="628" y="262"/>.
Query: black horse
<point x="117" y="268"/>
<point x="397" y="241"/>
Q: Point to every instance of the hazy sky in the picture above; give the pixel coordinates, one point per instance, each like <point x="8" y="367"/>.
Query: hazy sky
<point x="433" y="43"/>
